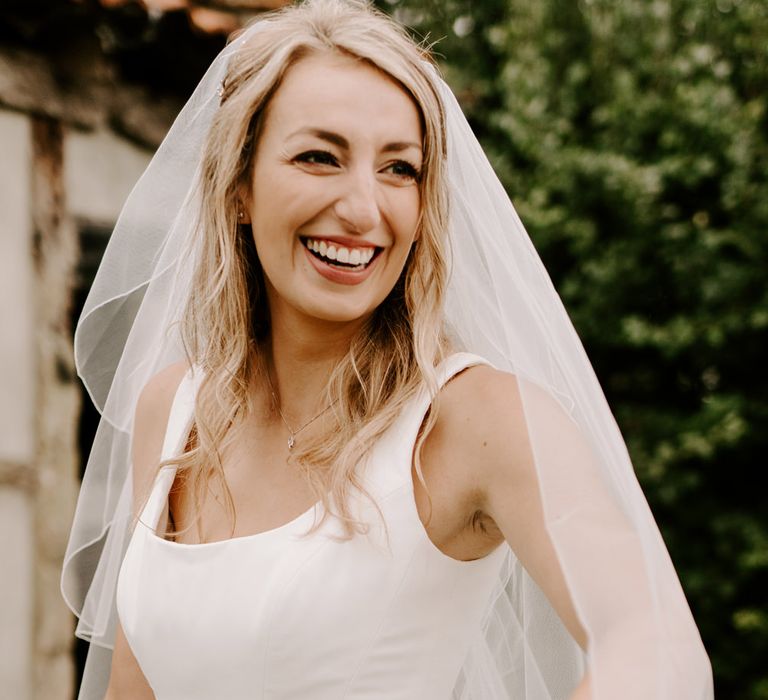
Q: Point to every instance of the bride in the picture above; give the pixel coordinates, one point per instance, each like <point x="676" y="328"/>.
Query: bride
<point x="350" y="444"/>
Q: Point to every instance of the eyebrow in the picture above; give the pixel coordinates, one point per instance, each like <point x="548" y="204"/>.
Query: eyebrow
<point x="341" y="142"/>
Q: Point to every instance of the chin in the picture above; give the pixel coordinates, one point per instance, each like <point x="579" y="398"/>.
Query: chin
<point x="342" y="306"/>
<point x="340" y="313"/>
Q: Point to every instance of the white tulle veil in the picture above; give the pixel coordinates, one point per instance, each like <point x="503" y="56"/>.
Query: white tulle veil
<point x="501" y="305"/>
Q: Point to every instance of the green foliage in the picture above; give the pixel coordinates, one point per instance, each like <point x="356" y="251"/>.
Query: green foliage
<point x="633" y="138"/>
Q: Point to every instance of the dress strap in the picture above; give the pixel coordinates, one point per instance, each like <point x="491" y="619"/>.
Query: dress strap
<point x="396" y="445"/>
<point x="181" y="415"/>
<point x="412" y="419"/>
<point x="454" y="364"/>
<point x="176" y="433"/>
<point x="445" y="371"/>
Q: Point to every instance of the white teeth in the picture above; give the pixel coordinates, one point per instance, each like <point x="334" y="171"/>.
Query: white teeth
<point x="354" y="256"/>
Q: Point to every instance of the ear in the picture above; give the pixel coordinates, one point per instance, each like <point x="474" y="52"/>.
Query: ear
<point x="243" y="205"/>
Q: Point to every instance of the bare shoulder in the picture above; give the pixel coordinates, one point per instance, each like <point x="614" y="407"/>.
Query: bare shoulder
<point x="157" y="395"/>
<point x="483" y="424"/>
<point x="485" y="404"/>
<point x="480" y="429"/>
<point x="151" y="419"/>
<point x="480" y="405"/>
<point x="480" y="384"/>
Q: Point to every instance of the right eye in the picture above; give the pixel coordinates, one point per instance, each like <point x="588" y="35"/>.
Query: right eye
<point x="317" y="158"/>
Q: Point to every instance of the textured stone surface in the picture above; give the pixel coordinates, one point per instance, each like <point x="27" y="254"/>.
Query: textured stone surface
<point x="56" y="680"/>
<point x="28" y="84"/>
<point x="92" y="99"/>
<point x="58" y="409"/>
<point x="172" y="5"/>
<point x="16" y="602"/>
<point x="141" y="117"/>
<point x="53" y="671"/>
<point x="100" y="169"/>
<point x="17" y="371"/>
<point x="254" y="5"/>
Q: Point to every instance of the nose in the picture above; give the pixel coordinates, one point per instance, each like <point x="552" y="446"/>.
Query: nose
<point x="357" y="207"/>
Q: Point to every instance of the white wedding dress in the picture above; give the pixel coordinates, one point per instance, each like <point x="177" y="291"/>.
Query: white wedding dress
<point x="281" y="616"/>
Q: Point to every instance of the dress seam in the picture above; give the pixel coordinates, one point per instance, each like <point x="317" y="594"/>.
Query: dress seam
<point x="384" y="616"/>
<point x="269" y="627"/>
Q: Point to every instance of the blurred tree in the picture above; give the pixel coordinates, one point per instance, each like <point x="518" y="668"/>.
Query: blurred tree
<point x="633" y="138"/>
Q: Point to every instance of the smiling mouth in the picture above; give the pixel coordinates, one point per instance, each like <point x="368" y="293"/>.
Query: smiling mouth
<point x="338" y="256"/>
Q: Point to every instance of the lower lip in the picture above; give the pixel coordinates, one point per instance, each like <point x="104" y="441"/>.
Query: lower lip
<point x="338" y="275"/>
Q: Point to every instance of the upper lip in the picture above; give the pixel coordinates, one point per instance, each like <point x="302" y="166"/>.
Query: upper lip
<point x="346" y="241"/>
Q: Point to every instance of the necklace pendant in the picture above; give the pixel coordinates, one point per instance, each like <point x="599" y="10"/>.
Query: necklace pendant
<point x="291" y="442"/>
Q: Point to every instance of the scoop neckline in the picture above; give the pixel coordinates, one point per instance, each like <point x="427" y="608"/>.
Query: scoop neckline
<point x="445" y="367"/>
<point x="315" y="509"/>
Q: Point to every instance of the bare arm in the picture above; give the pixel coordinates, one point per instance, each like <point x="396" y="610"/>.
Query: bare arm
<point x="126" y="681"/>
<point x="481" y="431"/>
<point x="486" y="428"/>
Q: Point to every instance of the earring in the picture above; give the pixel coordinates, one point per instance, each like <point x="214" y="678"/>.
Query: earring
<point x="241" y="215"/>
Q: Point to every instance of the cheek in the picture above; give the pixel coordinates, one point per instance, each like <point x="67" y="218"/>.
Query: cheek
<point x="406" y="217"/>
<point x="273" y="229"/>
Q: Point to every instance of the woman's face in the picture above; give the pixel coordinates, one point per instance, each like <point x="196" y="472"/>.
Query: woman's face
<point x="334" y="202"/>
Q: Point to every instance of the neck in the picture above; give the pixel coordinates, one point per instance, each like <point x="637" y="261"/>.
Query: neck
<point x="300" y="355"/>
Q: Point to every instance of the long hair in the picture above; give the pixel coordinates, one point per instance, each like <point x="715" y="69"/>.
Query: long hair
<point x="227" y="317"/>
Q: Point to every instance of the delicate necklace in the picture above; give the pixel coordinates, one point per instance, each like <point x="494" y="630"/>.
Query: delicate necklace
<point x="291" y="432"/>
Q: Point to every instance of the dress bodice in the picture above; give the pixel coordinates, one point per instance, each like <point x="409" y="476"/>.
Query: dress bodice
<point x="282" y="615"/>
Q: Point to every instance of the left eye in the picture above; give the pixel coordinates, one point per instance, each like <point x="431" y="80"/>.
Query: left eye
<point x="404" y="169"/>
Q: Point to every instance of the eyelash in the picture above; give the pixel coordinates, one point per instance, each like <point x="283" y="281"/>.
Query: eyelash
<point x="309" y="155"/>
<point x="412" y="172"/>
<point x="327" y="158"/>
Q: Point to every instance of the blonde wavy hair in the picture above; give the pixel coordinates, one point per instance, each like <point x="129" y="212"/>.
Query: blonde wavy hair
<point x="226" y="320"/>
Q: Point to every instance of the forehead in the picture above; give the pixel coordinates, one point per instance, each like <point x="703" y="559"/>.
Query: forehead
<point x="339" y="93"/>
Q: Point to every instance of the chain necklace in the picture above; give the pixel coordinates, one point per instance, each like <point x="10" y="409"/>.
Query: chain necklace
<point x="291" y="432"/>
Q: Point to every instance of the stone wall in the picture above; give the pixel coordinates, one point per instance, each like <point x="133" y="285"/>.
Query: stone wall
<point x="17" y="409"/>
<point x="54" y="255"/>
<point x="55" y="179"/>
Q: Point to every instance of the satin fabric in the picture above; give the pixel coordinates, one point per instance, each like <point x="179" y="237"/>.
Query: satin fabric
<point x="285" y="616"/>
